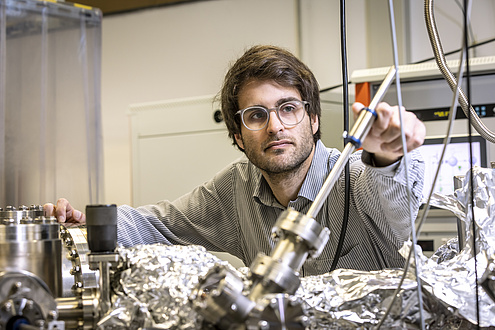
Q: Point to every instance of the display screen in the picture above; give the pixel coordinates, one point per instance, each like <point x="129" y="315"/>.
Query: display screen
<point x="455" y="161"/>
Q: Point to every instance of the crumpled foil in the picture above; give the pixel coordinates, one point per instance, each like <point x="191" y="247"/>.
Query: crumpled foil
<point x="484" y="207"/>
<point x="350" y="299"/>
<point x="153" y="284"/>
<point x="450" y="275"/>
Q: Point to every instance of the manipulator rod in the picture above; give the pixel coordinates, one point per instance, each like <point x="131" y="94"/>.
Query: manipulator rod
<point x="357" y="134"/>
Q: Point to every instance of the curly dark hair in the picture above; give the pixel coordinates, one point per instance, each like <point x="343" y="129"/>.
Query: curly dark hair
<point x="268" y="63"/>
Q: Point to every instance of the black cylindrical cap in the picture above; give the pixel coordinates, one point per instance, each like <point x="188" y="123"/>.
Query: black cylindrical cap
<point x="101" y="221"/>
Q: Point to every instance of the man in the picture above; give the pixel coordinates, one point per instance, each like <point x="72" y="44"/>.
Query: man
<point x="270" y="103"/>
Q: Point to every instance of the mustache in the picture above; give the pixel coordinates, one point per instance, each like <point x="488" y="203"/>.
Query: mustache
<point x="268" y="143"/>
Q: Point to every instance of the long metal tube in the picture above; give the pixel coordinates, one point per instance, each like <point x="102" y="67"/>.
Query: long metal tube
<point x="449" y="77"/>
<point x="359" y="131"/>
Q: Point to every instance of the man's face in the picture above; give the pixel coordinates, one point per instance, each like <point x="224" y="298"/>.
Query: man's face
<point x="275" y="148"/>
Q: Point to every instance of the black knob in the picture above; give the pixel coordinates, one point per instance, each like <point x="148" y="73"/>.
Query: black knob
<point x="101" y="221"/>
<point x="217" y="116"/>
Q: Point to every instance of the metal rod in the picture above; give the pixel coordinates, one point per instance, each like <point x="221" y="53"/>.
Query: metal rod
<point x="387" y="81"/>
<point x="359" y="131"/>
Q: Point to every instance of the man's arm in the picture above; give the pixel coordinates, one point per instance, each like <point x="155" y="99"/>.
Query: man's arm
<point x="381" y="197"/>
<point x="204" y="217"/>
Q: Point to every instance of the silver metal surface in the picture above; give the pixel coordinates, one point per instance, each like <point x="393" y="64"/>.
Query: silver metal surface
<point x="30" y="242"/>
<point x="25" y="298"/>
<point x="50" y="264"/>
<point x="75" y="265"/>
<point x="278" y="311"/>
<point x="298" y="237"/>
<point x="219" y="288"/>
<point x="461" y="225"/>
<point x="103" y="262"/>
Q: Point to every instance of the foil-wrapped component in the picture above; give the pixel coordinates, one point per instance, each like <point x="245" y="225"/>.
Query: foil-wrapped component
<point x="154" y="283"/>
<point x="484" y="207"/>
<point x="446" y="251"/>
<point x="452" y="282"/>
<point x="488" y="279"/>
<point x="349" y="299"/>
<point x="451" y="277"/>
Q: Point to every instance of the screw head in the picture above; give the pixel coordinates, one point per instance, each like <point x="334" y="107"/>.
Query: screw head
<point x="263" y="325"/>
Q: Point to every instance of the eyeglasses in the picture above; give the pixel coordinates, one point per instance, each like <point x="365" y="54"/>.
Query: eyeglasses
<point x="289" y="113"/>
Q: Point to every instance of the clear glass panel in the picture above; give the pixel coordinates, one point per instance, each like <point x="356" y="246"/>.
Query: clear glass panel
<point x="50" y="121"/>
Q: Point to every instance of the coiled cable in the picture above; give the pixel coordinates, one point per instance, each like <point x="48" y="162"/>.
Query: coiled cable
<point x="447" y="74"/>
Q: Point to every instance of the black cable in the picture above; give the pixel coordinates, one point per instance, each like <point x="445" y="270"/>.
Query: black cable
<point x="470" y="26"/>
<point x="458" y="50"/>
<point x="468" y="86"/>
<point x="326" y="89"/>
<point x="345" y="94"/>
<point x="330" y="88"/>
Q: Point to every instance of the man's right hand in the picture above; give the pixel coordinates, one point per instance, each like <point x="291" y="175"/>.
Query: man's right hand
<point x="64" y="212"/>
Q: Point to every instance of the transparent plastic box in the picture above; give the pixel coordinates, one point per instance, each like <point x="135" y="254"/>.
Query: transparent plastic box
<point x="50" y="120"/>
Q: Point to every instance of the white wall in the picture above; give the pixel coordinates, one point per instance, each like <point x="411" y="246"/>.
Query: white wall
<point x="184" y="51"/>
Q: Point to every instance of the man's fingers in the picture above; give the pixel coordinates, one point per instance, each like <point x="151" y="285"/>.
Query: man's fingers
<point x="386" y="119"/>
<point x="61" y="210"/>
<point x="64" y="212"/>
<point x="78" y="216"/>
<point x="356" y="108"/>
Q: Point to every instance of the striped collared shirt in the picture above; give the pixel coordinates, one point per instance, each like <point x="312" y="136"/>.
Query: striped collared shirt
<point x="236" y="210"/>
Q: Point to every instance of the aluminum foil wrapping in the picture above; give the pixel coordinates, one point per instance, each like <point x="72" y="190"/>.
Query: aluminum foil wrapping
<point x="451" y="276"/>
<point x="350" y="299"/>
<point x="484" y="207"/>
<point x="153" y="284"/>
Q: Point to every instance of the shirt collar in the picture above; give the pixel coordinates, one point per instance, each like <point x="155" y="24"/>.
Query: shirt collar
<point x="317" y="173"/>
<point x="263" y="193"/>
<point x="312" y="183"/>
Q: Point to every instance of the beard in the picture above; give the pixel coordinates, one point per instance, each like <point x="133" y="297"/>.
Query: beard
<point x="281" y="161"/>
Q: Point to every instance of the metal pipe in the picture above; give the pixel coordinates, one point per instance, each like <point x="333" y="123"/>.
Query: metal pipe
<point x="358" y="133"/>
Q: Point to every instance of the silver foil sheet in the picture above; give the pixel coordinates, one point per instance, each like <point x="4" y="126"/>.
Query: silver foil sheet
<point x="155" y="281"/>
<point x="350" y="299"/>
<point x="450" y="275"/>
<point x="484" y="207"/>
<point x="153" y="284"/>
